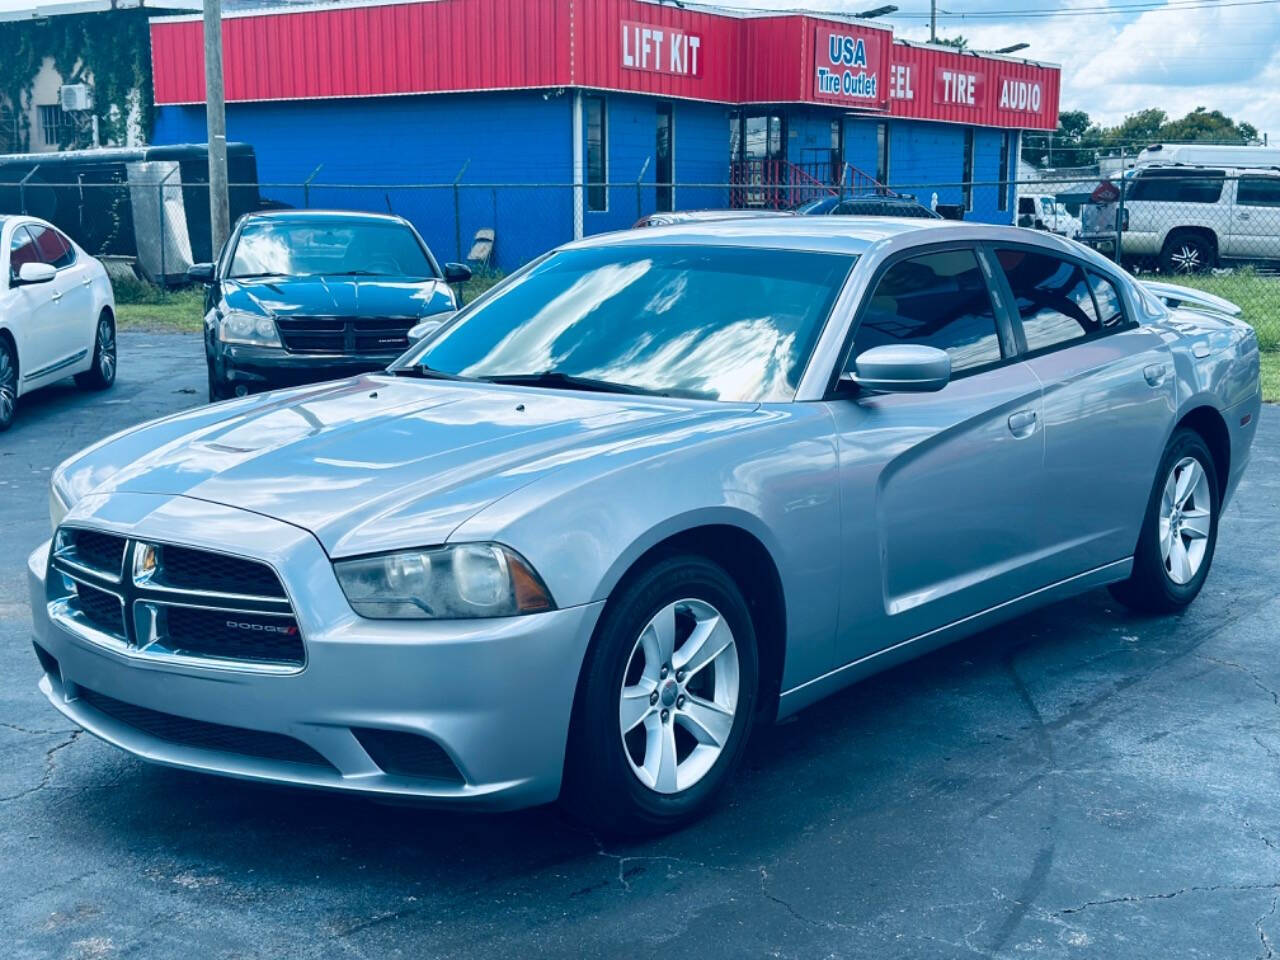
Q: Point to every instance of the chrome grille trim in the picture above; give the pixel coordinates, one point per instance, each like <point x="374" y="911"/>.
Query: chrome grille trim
<point x="140" y="598"/>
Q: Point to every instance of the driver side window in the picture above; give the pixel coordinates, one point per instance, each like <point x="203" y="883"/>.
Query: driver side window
<point x="937" y="300"/>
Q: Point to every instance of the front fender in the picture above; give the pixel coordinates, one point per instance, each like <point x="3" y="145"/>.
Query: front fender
<point x="773" y="474"/>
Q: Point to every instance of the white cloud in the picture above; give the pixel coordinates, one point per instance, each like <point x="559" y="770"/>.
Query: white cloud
<point x="1222" y="57"/>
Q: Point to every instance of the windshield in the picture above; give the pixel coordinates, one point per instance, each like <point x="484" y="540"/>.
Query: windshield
<point x="723" y="323"/>
<point x="331" y="247"/>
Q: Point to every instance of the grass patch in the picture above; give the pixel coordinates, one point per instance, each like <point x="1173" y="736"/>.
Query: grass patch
<point x="1257" y="294"/>
<point x="158" y="310"/>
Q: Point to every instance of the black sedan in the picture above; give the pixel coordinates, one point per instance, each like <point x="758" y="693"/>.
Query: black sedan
<point x="299" y="296"/>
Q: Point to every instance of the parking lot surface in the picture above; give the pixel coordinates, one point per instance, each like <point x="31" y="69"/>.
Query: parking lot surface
<point x="1079" y="783"/>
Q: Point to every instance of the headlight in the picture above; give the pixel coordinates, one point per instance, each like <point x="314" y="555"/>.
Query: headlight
<point x="443" y="583"/>
<point x="237" y="327"/>
<point x="58" y="507"/>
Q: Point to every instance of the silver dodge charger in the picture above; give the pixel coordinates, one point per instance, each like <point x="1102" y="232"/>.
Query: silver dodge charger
<point x="649" y="491"/>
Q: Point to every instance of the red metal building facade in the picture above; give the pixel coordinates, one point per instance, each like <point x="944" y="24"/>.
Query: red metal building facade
<point x="439" y="46"/>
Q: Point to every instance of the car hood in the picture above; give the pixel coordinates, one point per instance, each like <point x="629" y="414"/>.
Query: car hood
<point x="379" y="462"/>
<point x="338" y="296"/>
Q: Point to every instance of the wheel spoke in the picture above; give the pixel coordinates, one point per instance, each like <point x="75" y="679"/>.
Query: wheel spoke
<point x="1187" y="481"/>
<point x="660" y="754"/>
<point x="634" y="706"/>
<point x="1195" y="524"/>
<point x="659" y="638"/>
<point x="1179" y="562"/>
<point x="709" y="722"/>
<point x="710" y="638"/>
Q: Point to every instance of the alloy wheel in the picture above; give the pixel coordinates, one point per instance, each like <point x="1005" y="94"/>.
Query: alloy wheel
<point x="106" y="350"/>
<point x="1186" y="259"/>
<point x="8" y="384"/>
<point x="1185" y="520"/>
<point x="679" y="696"/>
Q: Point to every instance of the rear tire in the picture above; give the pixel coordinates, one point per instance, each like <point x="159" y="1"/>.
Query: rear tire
<point x="1179" y="532"/>
<point x="1185" y="253"/>
<point x="657" y="729"/>
<point x="102" y="373"/>
<point x="8" y="383"/>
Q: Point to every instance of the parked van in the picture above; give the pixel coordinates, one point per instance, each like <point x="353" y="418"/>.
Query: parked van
<point x="1191" y="218"/>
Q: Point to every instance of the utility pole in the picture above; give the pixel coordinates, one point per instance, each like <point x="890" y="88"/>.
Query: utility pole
<point x="216" y="119"/>
<point x="933" y="21"/>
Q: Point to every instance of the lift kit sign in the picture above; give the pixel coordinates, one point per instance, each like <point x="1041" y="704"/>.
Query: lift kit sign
<point x="661" y="50"/>
<point x="847" y="67"/>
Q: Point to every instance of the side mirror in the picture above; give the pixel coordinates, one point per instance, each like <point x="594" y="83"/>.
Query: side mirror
<point x="456" y="273"/>
<point x="901" y="368"/>
<point x="36" y="273"/>
<point x="200" y="273"/>
<point x="423" y="329"/>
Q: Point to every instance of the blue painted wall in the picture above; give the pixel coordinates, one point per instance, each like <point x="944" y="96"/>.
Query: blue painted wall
<point x="525" y="139"/>
<point x="509" y="138"/>
<point x="701" y="159"/>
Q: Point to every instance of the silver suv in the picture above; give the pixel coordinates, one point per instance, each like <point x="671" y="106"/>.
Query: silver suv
<point x="1192" y="218"/>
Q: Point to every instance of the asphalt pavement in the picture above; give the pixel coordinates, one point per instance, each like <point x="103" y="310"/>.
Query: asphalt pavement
<point x="1081" y="782"/>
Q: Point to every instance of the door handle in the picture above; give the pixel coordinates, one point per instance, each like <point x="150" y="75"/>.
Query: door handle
<point x="85" y="282"/>
<point x="1244" y="216"/>
<point x="56" y="295"/>
<point x="1154" y="373"/>
<point x="1022" y="423"/>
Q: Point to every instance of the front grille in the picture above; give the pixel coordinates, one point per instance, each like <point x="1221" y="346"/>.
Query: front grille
<point x="204" y="735"/>
<point x="404" y="754"/>
<point x="175" y="601"/>
<point x="186" y="569"/>
<point x="234" y="636"/>
<point x="96" y="550"/>
<point x="357" y="336"/>
<point x="102" y="609"/>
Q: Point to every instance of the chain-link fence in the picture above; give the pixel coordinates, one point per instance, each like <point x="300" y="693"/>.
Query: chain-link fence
<point x="1217" y="231"/>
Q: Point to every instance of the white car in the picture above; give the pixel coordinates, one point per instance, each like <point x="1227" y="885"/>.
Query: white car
<point x="57" y="313"/>
<point x="1041" y="211"/>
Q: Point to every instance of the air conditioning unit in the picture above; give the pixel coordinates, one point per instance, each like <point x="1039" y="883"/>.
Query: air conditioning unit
<point x="75" y="97"/>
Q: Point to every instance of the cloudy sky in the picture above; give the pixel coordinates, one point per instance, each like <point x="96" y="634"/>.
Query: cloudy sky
<point x="1119" y="56"/>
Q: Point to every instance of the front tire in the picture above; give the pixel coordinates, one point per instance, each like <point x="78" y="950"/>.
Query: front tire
<point x="102" y="373"/>
<point x="1179" y="532"/>
<point x="665" y="701"/>
<point x="218" y="390"/>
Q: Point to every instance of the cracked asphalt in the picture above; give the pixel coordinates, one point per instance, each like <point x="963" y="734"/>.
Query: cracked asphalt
<point x="1079" y="783"/>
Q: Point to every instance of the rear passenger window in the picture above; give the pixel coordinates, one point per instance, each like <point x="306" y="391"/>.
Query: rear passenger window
<point x="1051" y="296"/>
<point x="1110" y="307"/>
<point x="938" y="300"/>
<point x="1259" y="191"/>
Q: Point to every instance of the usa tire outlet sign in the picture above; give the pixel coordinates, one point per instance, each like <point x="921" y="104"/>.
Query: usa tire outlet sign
<point x="849" y="66"/>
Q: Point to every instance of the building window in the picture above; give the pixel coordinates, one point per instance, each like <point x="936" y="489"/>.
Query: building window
<point x="1003" y="200"/>
<point x="597" y="155"/>
<point x="664" y="172"/>
<point x="53" y="122"/>
<point x="882" y="153"/>
<point x="966" y="176"/>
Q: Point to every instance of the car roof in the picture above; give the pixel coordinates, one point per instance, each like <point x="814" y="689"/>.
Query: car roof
<point x="851" y="235"/>
<point x="301" y="215"/>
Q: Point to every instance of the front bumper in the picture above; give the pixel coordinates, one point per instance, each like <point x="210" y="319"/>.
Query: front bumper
<point x="261" y="368"/>
<point x="496" y="695"/>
